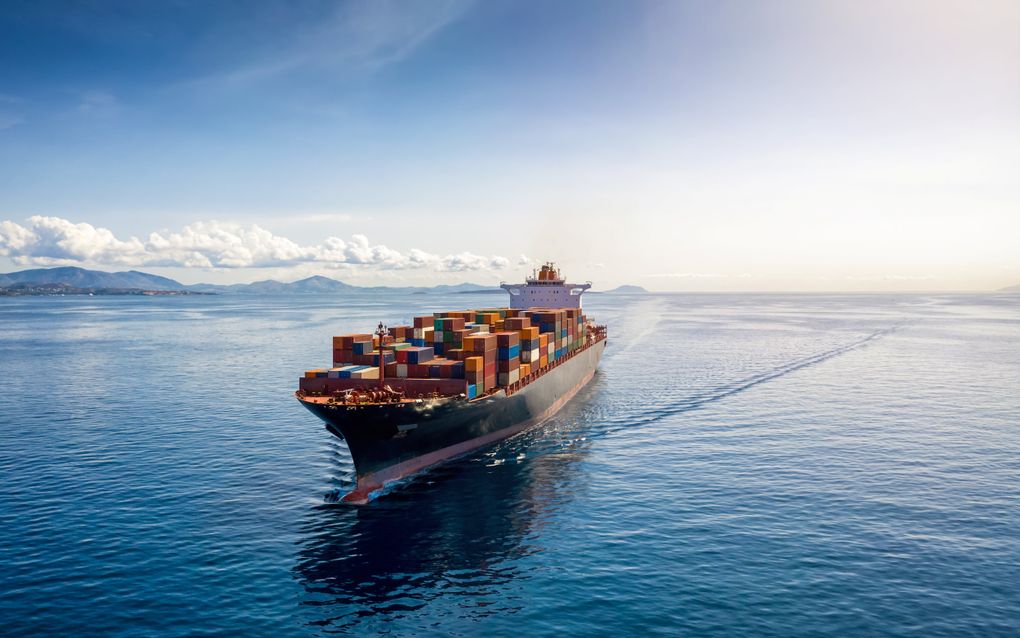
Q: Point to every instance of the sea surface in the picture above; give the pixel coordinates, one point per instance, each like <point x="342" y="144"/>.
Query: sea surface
<point x="741" y="465"/>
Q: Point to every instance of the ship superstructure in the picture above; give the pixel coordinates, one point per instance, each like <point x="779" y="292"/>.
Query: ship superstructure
<point x="411" y="396"/>
<point x="545" y="288"/>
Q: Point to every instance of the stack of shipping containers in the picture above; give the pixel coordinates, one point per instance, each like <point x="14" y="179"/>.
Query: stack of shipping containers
<point x="487" y="348"/>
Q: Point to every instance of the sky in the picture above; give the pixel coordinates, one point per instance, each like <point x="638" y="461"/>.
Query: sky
<point x="677" y="145"/>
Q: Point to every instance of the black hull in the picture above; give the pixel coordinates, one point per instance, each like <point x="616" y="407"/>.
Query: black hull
<point x="388" y="442"/>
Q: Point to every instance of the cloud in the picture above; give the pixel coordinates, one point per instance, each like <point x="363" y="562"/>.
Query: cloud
<point x="50" y="241"/>
<point x="363" y="35"/>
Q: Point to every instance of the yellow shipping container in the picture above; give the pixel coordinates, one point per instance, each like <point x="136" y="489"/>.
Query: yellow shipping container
<point x="525" y="369"/>
<point x="474" y="364"/>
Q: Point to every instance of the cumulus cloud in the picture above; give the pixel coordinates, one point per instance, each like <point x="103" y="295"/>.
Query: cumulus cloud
<point x="50" y="241"/>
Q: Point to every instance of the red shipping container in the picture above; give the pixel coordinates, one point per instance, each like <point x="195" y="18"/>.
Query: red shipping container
<point x="517" y="323"/>
<point x="508" y="365"/>
<point x="401" y="332"/>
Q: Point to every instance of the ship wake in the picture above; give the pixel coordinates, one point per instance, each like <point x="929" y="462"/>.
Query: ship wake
<point x="613" y="423"/>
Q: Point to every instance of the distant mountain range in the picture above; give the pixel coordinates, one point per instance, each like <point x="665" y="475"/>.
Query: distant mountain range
<point x="1015" y="288"/>
<point x="82" y="280"/>
<point x="74" y="280"/>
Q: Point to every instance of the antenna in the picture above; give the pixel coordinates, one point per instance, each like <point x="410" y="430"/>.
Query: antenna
<point x="381" y="332"/>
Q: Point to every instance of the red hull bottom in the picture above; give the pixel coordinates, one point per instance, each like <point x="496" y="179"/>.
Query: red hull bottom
<point x="371" y="483"/>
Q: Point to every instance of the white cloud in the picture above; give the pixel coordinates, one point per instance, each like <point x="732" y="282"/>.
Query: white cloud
<point x="358" y="35"/>
<point x="54" y="241"/>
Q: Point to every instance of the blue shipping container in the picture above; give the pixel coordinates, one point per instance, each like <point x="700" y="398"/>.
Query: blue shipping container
<point x="346" y="374"/>
<point x="422" y="355"/>
<point x="509" y="352"/>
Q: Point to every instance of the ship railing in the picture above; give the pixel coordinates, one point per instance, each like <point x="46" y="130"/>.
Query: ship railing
<point x="598" y="333"/>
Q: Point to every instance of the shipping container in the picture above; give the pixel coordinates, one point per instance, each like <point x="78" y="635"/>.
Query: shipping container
<point x="415" y="355"/>
<point x="346" y="342"/>
<point x="506" y="378"/>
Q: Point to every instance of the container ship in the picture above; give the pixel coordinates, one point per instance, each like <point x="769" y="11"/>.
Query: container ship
<point x="408" y="397"/>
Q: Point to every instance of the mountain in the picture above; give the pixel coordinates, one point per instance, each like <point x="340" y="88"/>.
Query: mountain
<point x="629" y="289"/>
<point x="1015" y="288"/>
<point x="82" y="278"/>
<point x="313" y="284"/>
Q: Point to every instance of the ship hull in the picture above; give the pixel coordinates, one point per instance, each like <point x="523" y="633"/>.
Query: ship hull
<point x="392" y="441"/>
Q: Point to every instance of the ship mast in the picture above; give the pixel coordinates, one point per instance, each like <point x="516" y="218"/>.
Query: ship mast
<point x="381" y="332"/>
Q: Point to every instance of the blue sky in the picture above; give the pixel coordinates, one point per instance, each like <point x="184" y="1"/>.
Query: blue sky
<point x="677" y="145"/>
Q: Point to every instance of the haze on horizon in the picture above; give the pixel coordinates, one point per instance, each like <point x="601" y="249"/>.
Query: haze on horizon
<point x="848" y="145"/>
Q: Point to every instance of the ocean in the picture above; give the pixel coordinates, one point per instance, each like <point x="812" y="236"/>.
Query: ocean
<point x="741" y="465"/>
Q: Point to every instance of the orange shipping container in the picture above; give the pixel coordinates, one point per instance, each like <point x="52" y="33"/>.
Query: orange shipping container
<point x="346" y="342"/>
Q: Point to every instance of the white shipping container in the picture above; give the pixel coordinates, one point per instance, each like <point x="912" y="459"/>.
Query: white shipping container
<point x="506" y="378"/>
<point x="528" y="356"/>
